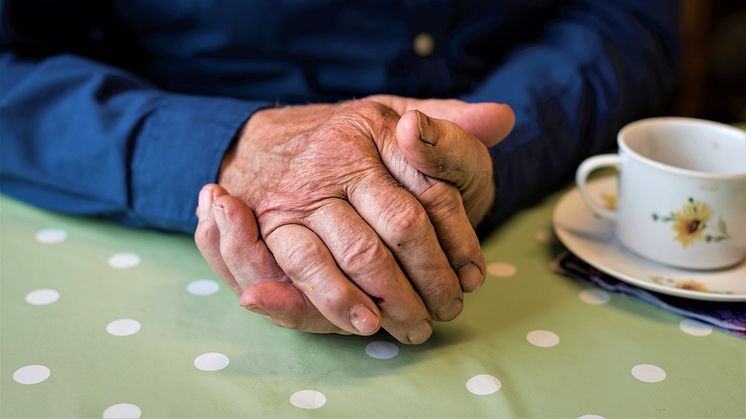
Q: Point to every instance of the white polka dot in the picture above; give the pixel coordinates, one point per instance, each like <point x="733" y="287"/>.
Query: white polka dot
<point x="648" y="373"/>
<point x="31" y="374"/>
<point x="122" y="411"/>
<point x="542" y="338"/>
<point x="203" y="287"/>
<point x="591" y="417"/>
<point x="382" y="350"/>
<point x="42" y="297"/>
<point x="124" y="260"/>
<point x="483" y="384"/>
<point x="501" y="269"/>
<point x="123" y="327"/>
<point x="594" y="296"/>
<point x="308" y="399"/>
<point x="51" y="235"/>
<point x="211" y="361"/>
<point x="695" y="328"/>
<point x="543" y="235"/>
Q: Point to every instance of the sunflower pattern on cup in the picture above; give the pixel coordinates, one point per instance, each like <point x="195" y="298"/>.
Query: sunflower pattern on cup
<point x="690" y="224"/>
<point x="608" y="200"/>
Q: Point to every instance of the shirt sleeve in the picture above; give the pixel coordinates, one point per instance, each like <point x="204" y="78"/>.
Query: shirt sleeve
<point x="599" y="65"/>
<point x="86" y="138"/>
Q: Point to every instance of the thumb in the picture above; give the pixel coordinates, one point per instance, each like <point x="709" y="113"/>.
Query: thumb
<point x="488" y="121"/>
<point x="443" y="150"/>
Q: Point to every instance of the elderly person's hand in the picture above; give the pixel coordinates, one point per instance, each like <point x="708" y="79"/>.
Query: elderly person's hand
<point x="320" y="179"/>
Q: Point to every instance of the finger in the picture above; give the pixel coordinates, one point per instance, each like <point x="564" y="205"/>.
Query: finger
<point x="459" y="241"/>
<point x="207" y="236"/>
<point x="242" y="248"/>
<point x="442" y="150"/>
<point x="489" y="122"/>
<point x="307" y="262"/>
<point x="287" y="307"/>
<point x="443" y="203"/>
<point x="403" y="225"/>
<point x="250" y="262"/>
<point x="361" y="255"/>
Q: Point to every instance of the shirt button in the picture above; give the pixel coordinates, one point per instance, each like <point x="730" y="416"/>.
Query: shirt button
<point x="423" y="44"/>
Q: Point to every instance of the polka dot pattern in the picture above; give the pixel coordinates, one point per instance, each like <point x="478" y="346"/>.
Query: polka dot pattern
<point x="316" y="356"/>
<point x="695" y="328"/>
<point x="543" y="235"/>
<point x="51" y="235"/>
<point x="648" y="373"/>
<point x="308" y="399"/>
<point x="483" y="384"/>
<point x="382" y="350"/>
<point x="123" y="327"/>
<point x="42" y="297"/>
<point x="211" y="361"/>
<point x="203" y="287"/>
<point x="122" y="411"/>
<point x="124" y="260"/>
<point x="542" y="338"/>
<point x="501" y="269"/>
<point x="594" y="296"/>
<point x="31" y="374"/>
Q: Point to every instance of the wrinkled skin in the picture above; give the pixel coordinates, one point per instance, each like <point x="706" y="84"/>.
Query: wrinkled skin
<point x="361" y="236"/>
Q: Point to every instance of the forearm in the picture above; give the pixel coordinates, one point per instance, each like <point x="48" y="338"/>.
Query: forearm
<point x="85" y="138"/>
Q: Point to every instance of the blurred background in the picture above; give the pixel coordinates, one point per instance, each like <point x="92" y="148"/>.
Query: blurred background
<point x="713" y="60"/>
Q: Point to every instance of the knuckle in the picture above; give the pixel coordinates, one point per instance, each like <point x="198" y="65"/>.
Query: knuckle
<point x="332" y="297"/>
<point x="446" y="201"/>
<point x="304" y="258"/>
<point x="203" y="237"/>
<point x="362" y="253"/>
<point x="370" y="113"/>
<point x="436" y="294"/>
<point x="440" y="289"/>
<point x="405" y="221"/>
<point x="229" y="245"/>
<point x="371" y="109"/>
<point x="478" y="204"/>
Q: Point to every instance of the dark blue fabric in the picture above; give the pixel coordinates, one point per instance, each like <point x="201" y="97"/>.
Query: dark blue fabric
<point x="123" y="109"/>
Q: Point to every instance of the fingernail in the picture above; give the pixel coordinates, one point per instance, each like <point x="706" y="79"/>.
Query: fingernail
<point x="420" y="333"/>
<point x="471" y="277"/>
<point x="256" y="309"/>
<point x="219" y="212"/>
<point x="363" y="319"/>
<point x="204" y="202"/>
<point x="427" y="130"/>
<point x="450" y="311"/>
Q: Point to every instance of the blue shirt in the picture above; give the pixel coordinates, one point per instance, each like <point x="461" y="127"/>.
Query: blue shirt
<point x="124" y="108"/>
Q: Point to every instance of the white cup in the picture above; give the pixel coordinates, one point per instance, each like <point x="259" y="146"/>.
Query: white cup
<point x="682" y="191"/>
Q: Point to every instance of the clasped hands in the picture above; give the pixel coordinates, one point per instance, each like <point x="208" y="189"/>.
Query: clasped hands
<point x="349" y="217"/>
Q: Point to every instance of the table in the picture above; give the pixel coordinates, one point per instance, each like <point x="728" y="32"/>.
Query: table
<point x="132" y="323"/>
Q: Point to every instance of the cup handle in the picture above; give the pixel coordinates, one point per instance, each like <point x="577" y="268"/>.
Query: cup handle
<point x="581" y="179"/>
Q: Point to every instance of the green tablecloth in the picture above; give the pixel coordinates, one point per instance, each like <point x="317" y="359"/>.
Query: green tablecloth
<point x="528" y="344"/>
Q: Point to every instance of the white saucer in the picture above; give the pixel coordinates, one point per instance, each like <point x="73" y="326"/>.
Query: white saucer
<point x="593" y="239"/>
